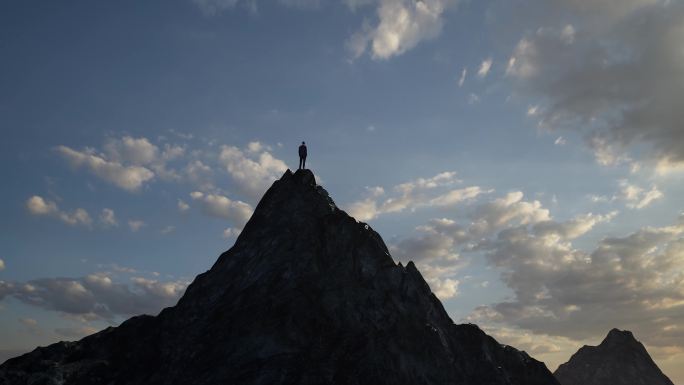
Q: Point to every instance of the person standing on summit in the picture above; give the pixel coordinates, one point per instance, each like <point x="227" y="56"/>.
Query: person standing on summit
<point x="302" y="156"/>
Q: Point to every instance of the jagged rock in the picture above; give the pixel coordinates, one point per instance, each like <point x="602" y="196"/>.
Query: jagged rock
<point x="307" y="295"/>
<point x="619" y="360"/>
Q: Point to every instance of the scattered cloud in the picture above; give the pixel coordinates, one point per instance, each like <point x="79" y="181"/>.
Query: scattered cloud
<point x="108" y="218"/>
<point x="401" y="25"/>
<point x="76" y="332"/>
<point x="484" y="69"/>
<point x="214" y="7"/>
<point x="632" y="282"/>
<point x="462" y="79"/>
<point x="560" y="141"/>
<point x="36" y="205"/>
<point x="182" y="206"/>
<point x="473" y="98"/>
<point x="253" y="169"/>
<point x="223" y="207"/>
<point x="96" y="295"/>
<point x="637" y="197"/>
<point x="129" y="178"/>
<point x="167" y="230"/>
<point x="301" y="4"/>
<point x="231" y="232"/>
<point x="421" y="192"/>
<point x="590" y="76"/>
<point x="136" y="224"/>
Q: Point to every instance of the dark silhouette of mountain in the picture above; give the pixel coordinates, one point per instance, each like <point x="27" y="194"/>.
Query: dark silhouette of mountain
<point x="307" y="295"/>
<point x="619" y="360"/>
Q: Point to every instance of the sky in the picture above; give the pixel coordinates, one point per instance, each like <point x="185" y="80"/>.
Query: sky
<point x="528" y="155"/>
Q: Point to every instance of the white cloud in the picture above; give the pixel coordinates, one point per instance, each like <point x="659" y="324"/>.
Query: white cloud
<point x="560" y="141"/>
<point x="231" y="232"/>
<point x="473" y="98"/>
<point x="130" y="178"/>
<point x="421" y="192"/>
<point x="223" y="207"/>
<point x="611" y="76"/>
<point x="134" y="151"/>
<point x="136" y="224"/>
<point x="36" y="205"/>
<point x="485" y="67"/>
<point x="638" y="197"/>
<point x="462" y="79"/>
<point x="254" y="171"/>
<point x="182" y="206"/>
<point x="214" y="7"/>
<point x="96" y="295"/>
<point x="108" y="218"/>
<point x="39" y="206"/>
<point x="504" y="211"/>
<point x="632" y="282"/>
<point x="301" y="4"/>
<point x="402" y="24"/>
<point x="168" y="230"/>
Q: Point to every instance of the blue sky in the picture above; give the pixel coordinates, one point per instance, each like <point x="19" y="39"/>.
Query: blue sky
<point x="527" y="154"/>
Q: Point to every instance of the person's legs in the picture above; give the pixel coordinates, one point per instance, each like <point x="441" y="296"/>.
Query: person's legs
<point x="300" y="162"/>
<point x="304" y="163"/>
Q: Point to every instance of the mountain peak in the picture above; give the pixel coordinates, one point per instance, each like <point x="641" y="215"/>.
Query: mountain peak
<point x="619" y="337"/>
<point x="306" y="295"/>
<point x="619" y="359"/>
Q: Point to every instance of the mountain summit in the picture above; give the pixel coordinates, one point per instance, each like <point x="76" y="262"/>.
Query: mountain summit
<point x="619" y="360"/>
<point x="307" y="295"/>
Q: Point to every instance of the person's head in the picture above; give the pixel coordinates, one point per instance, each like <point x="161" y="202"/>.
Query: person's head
<point x="303" y="143"/>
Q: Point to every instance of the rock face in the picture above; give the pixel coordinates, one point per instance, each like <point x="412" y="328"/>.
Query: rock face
<point x="307" y="295"/>
<point x="619" y="360"/>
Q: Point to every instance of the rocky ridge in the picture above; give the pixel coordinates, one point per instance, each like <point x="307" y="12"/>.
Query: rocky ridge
<point x="307" y="295"/>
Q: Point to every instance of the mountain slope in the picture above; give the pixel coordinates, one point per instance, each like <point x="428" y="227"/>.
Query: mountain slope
<point x="307" y="295"/>
<point x="619" y="360"/>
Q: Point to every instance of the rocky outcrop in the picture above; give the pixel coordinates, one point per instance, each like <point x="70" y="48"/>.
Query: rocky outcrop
<point x="619" y="360"/>
<point x="307" y="295"/>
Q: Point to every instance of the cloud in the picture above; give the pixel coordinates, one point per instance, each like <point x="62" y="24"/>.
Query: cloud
<point x="509" y="209"/>
<point x="96" y="295"/>
<point x="36" y="205"/>
<point x="421" y="192"/>
<point x="637" y="197"/>
<point x="253" y="169"/>
<point x="402" y="24"/>
<point x="214" y="7"/>
<point x="167" y="230"/>
<point x="301" y="4"/>
<point x="632" y="282"/>
<point x="223" y="207"/>
<point x="136" y="224"/>
<point x="182" y="206"/>
<point x="485" y="66"/>
<point x="76" y="332"/>
<point x="614" y="76"/>
<point x="231" y="232"/>
<point x="2" y="265"/>
<point x="129" y="178"/>
<point x="462" y="79"/>
<point x="108" y="218"/>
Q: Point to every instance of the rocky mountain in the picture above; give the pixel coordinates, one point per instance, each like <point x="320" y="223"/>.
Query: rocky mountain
<point x="307" y="295"/>
<point x="619" y="360"/>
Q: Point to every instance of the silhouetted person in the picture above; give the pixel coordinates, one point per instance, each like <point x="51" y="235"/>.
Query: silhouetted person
<point x="302" y="156"/>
